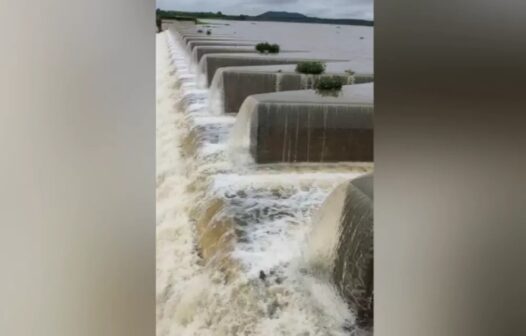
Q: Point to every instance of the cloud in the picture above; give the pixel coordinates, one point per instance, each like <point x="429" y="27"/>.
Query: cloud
<point x="344" y="9"/>
<point x="277" y="2"/>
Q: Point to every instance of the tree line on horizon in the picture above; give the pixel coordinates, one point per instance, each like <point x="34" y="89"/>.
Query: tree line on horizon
<point x="269" y="16"/>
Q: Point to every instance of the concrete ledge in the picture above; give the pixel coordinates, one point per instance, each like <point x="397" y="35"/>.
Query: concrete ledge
<point x="341" y="244"/>
<point x="303" y="126"/>
<point x="196" y="34"/>
<point x="232" y="85"/>
<point x="199" y="51"/>
<point x="210" y="63"/>
<point x="205" y="38"/>
<point x="194" y="44"/>
<point x="353" y="271"/>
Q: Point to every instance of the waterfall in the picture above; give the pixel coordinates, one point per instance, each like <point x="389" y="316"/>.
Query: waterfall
<point x="202" y="71"/>
<point x="217" y="101"/>
<point x="353" y="271"/>
<point x="289" y="128"/>
<point x="194" y="54"/>
<point x="242" y="134"/>
<point x="340" y="245"/>
<point x="279" y="82"/>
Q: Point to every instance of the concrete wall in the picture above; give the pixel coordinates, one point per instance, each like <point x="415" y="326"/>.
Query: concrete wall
<point x="193" y="44"/>
<point x="340" y="245"/>
<point x="353" y="271"/>
<point x="199" y="51"/>
<point x="307" y="126"/>
<point x="210" y="63"/>
<point x="187" y="40"/>
<point x="282" y="132"/>
<point x="239" y="84"/>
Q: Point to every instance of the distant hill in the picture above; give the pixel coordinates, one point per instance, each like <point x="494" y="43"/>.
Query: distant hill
<point x="267" y="16"/>
<point x="281" y="15"/>
<point x="297" y="17"/>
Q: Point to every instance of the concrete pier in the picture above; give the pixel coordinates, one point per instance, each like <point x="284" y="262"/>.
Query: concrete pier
<point x="199" y="51"/>
<point x="210" y="63"/>
<point x="234" y="84"/>
<point x="192" y="45"/>
<point x="187" y="40"/>
<point x="341" y="244"/>
<point x="304" y="126"/>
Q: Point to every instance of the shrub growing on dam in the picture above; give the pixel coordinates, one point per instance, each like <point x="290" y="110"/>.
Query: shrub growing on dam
<point x="267" y="48"/>
<point x="311" y="67"/>
<point x="330" y="83"/>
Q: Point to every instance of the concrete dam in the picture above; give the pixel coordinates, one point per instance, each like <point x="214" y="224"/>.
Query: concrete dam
<point x="232" y="85"/>
<point x="264" y="184"/>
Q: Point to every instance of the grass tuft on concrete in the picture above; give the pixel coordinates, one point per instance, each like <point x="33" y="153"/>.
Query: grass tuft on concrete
<point x="330" y="83"/>
<point x="267" y="48"/>
<point x="311" y="67"/>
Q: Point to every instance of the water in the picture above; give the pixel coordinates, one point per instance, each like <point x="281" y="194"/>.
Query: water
<point x="353" y="272"/>
<point x="320" y="40"/>
<point x="260" y="74"/>
<point x="341" y="244"/>
<point x="231" y="235"/>
<point x="304" y="126"/>
<point x="230" y="86"/>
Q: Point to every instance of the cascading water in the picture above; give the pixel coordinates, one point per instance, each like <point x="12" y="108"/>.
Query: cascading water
<point x="216" y="101"/>
<point x="340" y="245"/>
<point x="230" y="236"/>
<point x="230" y="86"/>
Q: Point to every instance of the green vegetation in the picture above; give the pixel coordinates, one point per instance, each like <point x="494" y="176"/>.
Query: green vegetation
<point x="267" y="48"/>
<point x="175" y="15"/>
<point x="181" y="18"/>
<point x="193" y="16"/>
<point x="311" y="67"/>
<point x="330" y="83"/>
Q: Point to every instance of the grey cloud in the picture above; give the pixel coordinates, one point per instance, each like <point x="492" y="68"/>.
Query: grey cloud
<point x="276" y="2"/>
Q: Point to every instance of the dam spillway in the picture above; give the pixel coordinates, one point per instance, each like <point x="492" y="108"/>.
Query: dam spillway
<point x="232" y="85"/>
<point x="341" y="244"/>
<point x="211" y="43"/>
<point x="231" y="235"/>
<point x="211" y="63"/>
<point x="199" y="51"/>
<point x="304" y="126"/>
<point x="205" y="38"/>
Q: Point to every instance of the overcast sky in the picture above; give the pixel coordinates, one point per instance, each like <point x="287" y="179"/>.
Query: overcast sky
<point x="342" y="9"/>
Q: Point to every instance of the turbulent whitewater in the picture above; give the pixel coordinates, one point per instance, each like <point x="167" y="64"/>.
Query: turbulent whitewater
<point x="231" y="235"/>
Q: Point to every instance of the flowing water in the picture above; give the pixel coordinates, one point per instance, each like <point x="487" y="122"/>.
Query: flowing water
<point x="231" y="235"/>
<point x="245" y="81"/>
